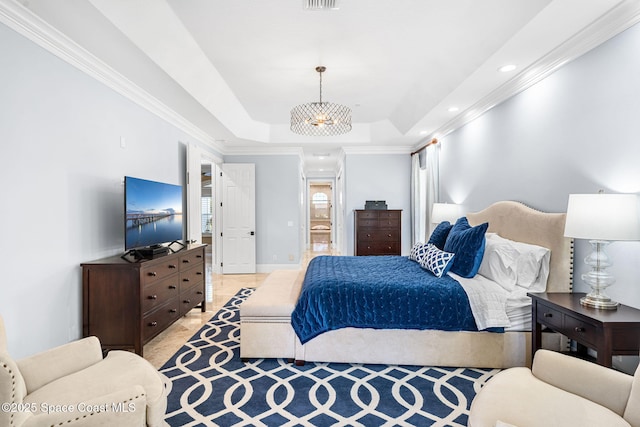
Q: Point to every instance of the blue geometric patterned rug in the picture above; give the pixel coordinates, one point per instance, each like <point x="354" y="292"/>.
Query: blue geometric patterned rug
<point x="211" y="386"/>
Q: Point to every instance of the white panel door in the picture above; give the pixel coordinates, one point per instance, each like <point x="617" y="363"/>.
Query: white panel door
<point x="194" y="194"/>
<point x="238" y="218"/>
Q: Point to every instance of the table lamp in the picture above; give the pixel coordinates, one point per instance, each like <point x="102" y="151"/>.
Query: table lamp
<point x="445" y="212"/>
<point x="601" y="218"/>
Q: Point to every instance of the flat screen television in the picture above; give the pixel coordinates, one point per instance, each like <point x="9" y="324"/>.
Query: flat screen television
<point x="153" y="213"/>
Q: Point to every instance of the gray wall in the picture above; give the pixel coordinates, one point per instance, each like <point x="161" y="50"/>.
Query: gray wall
<point x="61" y="168"/>
<point x="578" y="131"/>
<point x="278" y="190"/>
<point x="378" y="177"/>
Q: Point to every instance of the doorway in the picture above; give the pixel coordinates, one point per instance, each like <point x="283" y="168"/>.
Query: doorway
<point x="321" y="216"/>
<point x="207" y="203"/>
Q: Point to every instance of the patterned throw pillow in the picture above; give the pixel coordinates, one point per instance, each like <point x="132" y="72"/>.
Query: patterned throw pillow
<point x="418" y="252"/>
<point x="437" y="261"/>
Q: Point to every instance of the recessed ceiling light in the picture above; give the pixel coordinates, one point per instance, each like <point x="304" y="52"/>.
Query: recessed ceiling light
<point x="424" y="132"/>
<point x="453" y="109"/>
<point x="507" y="68"/>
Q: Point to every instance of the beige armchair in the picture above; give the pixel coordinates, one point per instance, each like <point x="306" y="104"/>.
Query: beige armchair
<point x="559" y="390"/>
<point x="73" y="385"/>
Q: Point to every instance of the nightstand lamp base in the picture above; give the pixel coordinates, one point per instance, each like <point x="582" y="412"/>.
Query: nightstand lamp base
<point x="598" y="301"/>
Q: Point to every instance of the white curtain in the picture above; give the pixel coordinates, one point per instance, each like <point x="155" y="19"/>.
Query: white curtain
<point x="424" y="191"/>
<point x="417" y="201"/>
<point x="432" y="184"/>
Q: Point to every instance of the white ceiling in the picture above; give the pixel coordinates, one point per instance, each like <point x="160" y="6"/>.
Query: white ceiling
<point x="234" y="69"/>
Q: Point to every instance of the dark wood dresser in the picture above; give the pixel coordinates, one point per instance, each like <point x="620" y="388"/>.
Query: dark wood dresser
<point x="126" y="304"/>
<point x="377" y="232"/>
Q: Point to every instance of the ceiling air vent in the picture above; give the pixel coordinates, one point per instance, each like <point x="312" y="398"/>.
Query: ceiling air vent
<point x="321" y="4"/>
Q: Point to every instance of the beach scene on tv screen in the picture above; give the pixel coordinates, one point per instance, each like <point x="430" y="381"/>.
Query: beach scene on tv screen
<point x="153" y="213"/>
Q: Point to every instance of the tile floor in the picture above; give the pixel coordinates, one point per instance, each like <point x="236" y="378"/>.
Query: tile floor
<point x="220" y="289"/>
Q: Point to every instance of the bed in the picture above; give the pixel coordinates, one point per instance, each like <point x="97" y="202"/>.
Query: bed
<point x="447" y="344"/>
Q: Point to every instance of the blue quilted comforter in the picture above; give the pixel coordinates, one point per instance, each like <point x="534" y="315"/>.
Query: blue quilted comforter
<point x="381" y="292"/>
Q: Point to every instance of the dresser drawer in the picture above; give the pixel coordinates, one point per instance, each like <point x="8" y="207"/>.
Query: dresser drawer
<point x="388" y="235"/>
<point x="156" y="321"/>
<point x="158" y="270"/>
<point x="389" y="215"/>
<point x="191" y="298"/>
<point x="549" y="316"/>
<point x="367" y="223"/>
<point x="367" y="234"/>
<point x="580" y="331"/>
<point x="160" y="292"/>
<point x="367" y="215"/>
<point x="190" y="259"/>
<point x="378" y="235"/>
<point x="191" y="277"/>
<point x="378" y="248"/>
<point x="387" y="222"/>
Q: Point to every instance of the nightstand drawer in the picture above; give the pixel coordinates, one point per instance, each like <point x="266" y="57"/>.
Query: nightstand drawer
<point x="580" y="331"/>
<point x="549" y="316"/>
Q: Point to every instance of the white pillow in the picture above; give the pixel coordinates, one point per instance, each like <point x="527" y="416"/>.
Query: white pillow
<point x="532" y="266"/>
<point x="510" y="264"/>
<point x="499" y="261"/>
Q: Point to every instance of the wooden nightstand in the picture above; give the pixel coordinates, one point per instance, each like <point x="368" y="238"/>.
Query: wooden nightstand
<point x="609" y="332"/>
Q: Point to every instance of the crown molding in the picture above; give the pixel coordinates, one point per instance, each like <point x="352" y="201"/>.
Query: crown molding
<point x="263" y="151"/>
<point x="619" y="18"/>
<point x="31" y="26"/>
<point x="377" y="149"/>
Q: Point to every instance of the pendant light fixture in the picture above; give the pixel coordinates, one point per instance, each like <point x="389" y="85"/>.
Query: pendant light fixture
<point x="320" y="118"/>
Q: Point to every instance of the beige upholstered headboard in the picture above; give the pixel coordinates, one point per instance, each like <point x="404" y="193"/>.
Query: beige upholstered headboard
<point x="515" y="221"/>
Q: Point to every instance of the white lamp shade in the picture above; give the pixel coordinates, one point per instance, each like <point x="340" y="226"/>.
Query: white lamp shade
<point x="445" y="212"/>
<point x="603" y="217"/>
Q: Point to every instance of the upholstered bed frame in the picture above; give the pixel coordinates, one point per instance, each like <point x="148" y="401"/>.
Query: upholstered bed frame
<point x="511" y="220"/>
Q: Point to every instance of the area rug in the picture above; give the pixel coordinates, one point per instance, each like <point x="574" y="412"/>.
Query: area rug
<point x="211" y="386"/>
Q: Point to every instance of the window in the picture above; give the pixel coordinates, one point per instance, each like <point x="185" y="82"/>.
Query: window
<point x="207" y="214"/>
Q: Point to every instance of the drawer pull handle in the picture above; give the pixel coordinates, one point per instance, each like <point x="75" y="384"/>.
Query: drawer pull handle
<point x="173" y="287"/>
<point x="199" y="273"/>
<point x="153" y="296"/>
<point x="172" y="266"/>
<point x="173" y="310"/>
<point x="198" y="256"/>
<point x="368" y="235"/>
<point x="389" y="235"/>
<point x="153" y="274"/>
<point x="186" y="279"/>
<point x="199" y="292"/>
<point x="187" y="301"/>
<point x="548" y="315"/>
<point x="186" y="261"/>
<point x="579" y="329"/>
<point x="153" y="323"/>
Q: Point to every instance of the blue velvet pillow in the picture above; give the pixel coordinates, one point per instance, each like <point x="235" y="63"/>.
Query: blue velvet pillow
<point x="468" y="244"/>
<point x="439" y="235"/>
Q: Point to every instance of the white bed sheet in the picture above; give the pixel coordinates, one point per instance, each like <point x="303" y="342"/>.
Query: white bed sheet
<point x="494" y="307"/>
<point x="488" y="301"/>
<point x="519" y="310"/>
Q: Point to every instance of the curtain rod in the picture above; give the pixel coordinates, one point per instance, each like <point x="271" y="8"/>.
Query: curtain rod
<point x="433" y="141"/>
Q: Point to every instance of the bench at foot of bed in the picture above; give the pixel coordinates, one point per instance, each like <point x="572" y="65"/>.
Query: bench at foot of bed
<point x="265" y="317"/>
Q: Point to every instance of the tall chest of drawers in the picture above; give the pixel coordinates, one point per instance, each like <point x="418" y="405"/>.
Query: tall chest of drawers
<point x="378" y="232"/>
<point x="126" y="304"/>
